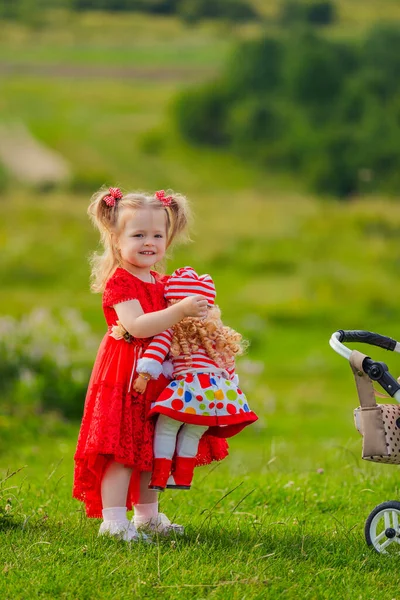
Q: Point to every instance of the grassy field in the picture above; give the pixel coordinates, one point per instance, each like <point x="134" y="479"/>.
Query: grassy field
<point x="283" y="516"/>
<point x="102" y="39"/>
<point x="268" y="522"/>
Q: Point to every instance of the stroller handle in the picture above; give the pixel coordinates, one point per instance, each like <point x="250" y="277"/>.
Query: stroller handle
<point x="359" y="335"/>
<point x="367" y="337"/>
<point x="377" y="371"/>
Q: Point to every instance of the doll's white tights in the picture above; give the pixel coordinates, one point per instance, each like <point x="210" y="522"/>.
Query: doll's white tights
<point x="167" y="438"/>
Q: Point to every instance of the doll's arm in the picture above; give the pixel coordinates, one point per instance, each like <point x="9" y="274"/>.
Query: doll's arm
<point x="156" y="352"/>
<point x="150" y="366"/>
<point x="140" y="383"/>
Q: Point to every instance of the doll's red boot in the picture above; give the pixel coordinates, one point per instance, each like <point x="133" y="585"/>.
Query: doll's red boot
<point x="182" y="473"/>
<point x="161" y="472"/>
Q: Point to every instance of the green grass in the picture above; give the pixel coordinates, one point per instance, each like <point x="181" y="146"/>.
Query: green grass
<point x="103" y="40"/>
<point x="137" y="40"/>
<point x="279" y="518"/>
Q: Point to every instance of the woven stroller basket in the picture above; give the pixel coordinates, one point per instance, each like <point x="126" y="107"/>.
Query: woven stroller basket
<point x="379" y="424"/>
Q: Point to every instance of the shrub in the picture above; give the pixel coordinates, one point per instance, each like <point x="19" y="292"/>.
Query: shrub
<point x="45" y="362"/>
<point x="315" y="74"/>
<point x="201" y="115"/>
<point x="381" y="53"/>
<point x="231" y="10"/>
<point x="324" y="109"/>
<point x="165" y="7"/>
<point x="291" y="12"/>
<point x="255" y="67"/>
<point x="320" y="12"/>
<point x="331" y="169"/>
<point x="317" y="12"/>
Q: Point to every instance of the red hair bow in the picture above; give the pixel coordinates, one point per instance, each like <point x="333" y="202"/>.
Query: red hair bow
<point x="114" y="195"/>
<point x="165" y="200"/>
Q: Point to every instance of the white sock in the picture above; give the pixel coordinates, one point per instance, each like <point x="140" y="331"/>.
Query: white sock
<point x="145" y="512"/>
<point x="117" y="525"/>
<point x="115" y="513"/>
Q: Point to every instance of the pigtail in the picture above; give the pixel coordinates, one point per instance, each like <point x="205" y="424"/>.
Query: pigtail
<point x="104" y="217"/>
<point x="180" y="217"/>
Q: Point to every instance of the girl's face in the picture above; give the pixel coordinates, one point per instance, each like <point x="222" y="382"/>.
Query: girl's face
<point x="143" y="239"/>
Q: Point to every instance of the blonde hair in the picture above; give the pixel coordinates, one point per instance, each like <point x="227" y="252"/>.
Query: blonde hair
<point x="220" y="342"/>
<point x="109" y="220"/>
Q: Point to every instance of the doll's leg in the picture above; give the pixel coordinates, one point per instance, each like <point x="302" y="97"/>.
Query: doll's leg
<point x="165" y="434"/>
<point x="186" y="451"/>
<point x="188" y="440"/>
<point x="164" y="448"/>
<point x="114" y="490"/>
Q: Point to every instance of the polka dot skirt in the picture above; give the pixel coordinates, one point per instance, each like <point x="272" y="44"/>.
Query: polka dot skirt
<point x="205" y="399"/>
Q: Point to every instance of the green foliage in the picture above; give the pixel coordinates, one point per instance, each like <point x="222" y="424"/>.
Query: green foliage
<point x="320" y="12"/>
<point x="325" y="109"/>
<point x="231" y="10"/>
<point x="45" y="363"/>
<point x="201" y="115"/>
<point x="164" y="7"/>
<point x="189" y="10"/>
<point x="254" y="67"/>
<point x="314" y="12"/>
<point x="29" y="12"/>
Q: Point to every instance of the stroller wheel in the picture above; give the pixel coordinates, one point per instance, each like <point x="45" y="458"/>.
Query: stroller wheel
<point x="382" y="528"/>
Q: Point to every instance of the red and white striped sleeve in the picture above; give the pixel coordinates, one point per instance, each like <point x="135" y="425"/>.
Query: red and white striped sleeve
<point x="155" y="354"/>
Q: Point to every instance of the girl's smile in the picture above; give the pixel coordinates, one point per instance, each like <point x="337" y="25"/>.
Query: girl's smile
<point x="143" y="239"/>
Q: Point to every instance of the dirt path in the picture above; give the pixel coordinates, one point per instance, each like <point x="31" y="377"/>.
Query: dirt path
<point x="108" y="72"/>
<point x="29" y="160"/>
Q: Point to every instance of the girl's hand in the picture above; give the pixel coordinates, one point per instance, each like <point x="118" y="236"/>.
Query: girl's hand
<point x="194" y="306"/>
<point x="140" y="385"/>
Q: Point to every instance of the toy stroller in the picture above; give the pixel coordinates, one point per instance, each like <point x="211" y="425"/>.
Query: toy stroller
<point x="379" y="424"/>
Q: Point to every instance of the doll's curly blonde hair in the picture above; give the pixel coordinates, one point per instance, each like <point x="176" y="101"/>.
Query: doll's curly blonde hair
<point x="220" y="342"/>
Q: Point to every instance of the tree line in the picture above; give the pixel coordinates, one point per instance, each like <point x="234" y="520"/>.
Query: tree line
<point x="326" y="110"/>
<point x="318" y="12"/>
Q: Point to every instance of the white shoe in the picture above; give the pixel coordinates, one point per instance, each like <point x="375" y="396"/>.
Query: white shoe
<point x="123" y="530"/>
<point x="162" y="525"/>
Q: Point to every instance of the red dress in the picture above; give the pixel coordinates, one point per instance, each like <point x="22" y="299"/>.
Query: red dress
<point x="115" y="424"/>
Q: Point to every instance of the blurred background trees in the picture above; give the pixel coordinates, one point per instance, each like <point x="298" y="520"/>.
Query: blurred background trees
<point x="327" y="110"/>
<point x="259" y="112"/>
<point x="292" y="97"/>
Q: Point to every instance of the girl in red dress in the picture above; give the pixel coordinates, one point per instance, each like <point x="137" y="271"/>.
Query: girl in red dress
<point x="114" y="454"/>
